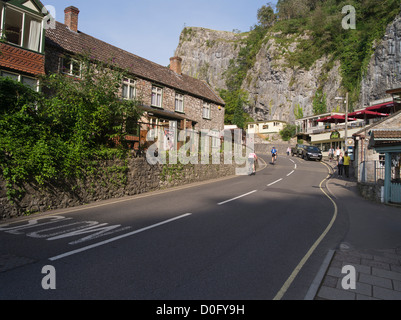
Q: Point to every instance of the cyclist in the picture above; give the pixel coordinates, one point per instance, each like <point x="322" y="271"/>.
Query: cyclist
<point x="252" y="159"/>
<point x="274" y="155"/>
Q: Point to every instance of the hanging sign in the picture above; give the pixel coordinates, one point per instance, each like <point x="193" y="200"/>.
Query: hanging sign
<point x="335" y="135"/>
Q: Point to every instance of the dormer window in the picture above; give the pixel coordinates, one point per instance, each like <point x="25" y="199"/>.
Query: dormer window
<point x="21" y="29"/>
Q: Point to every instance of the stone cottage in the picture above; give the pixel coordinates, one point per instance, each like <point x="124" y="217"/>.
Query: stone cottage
<point x="171" y="100"/>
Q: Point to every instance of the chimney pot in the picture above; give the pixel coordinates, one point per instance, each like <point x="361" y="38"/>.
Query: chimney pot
<point x="71" y="18"/>
<point x="175" y="64"/>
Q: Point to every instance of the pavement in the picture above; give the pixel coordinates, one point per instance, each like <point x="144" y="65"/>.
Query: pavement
<point x="367" y="263"/>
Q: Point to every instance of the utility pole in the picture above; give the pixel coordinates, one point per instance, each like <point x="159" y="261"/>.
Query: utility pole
<point x="346" y="122"/>
<point x="346" y="119"/>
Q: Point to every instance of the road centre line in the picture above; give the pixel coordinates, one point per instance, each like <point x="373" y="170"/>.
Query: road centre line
<point x="70" y="253"/>
<point x="269" y="185"/>
<point x="236" y="198"/>
<point x="290" y="173"/>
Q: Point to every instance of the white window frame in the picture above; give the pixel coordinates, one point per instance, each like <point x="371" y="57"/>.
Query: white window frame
<point x="215" y="140"/>
<point x="179" y="102"/>
<point x="157" y="97"/>
<point x="20" y="78"/>
<point x="70" y="72"/>
<point x="3" y="15"/>
<point x="206" y="110"/>
<point x="131" y="89"/>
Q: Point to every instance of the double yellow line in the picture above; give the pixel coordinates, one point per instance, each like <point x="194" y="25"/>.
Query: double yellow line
<point x="294" y="274"/>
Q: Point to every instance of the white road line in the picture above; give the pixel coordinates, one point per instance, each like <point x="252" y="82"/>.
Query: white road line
<point x="295" y="166"/>
<point x="269" y="185"/>
<point x="292" y="160"/>
<point x="61" y="256"/>
<point x="290" y="173"/>
<point x="236" y="198"/>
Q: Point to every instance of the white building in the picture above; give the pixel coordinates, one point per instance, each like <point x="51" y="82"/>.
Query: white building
<point x="266" y="127"/>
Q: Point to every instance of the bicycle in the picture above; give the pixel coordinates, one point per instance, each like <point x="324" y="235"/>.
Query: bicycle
<point x="274" y="158"/>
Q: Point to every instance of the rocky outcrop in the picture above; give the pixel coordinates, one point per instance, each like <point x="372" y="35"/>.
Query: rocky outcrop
<point x="207" y="53"/>
<point x="384" y="70"/>
<point x="276" y="90"/>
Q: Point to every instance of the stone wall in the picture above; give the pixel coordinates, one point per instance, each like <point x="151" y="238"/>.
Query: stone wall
<point x="371" y="191"/>
<point x="112" y="179"/>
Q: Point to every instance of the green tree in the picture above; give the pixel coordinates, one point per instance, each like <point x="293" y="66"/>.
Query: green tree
<point x="288" y="132"/>
<point x="319" y="102"/>
<point x="298" y="112"/>
<point x="266" y="16"/>
<point x="235" y="103"/>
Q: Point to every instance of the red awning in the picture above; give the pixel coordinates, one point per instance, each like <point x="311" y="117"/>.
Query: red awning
<point x="366" y="114"/>
<point x="335" y="118"/>
<point x="386" y="107"/>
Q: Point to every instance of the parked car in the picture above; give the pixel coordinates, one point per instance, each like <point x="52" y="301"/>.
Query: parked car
<point x="297" y="150"/>
<point x="311" y="152"/>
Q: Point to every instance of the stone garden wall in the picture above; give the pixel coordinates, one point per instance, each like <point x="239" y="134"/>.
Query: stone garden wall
<point x="111" y="179"/>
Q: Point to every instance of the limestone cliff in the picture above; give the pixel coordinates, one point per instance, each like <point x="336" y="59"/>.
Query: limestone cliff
<point x="384" y="70"/>
<point x="277" y="90"/>
<point x="207" y="53"/>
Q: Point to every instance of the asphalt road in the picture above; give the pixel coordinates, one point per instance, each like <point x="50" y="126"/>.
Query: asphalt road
<point x="259" y="237"/>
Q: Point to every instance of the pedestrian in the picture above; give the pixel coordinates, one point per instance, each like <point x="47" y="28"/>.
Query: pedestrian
<point x="340" y="164"/>
<point x="347" y="161"/>
<point x="252" y="160"/>
<point x="288" y="151"/>
<point x="331" y="154"/>
<point x="338" y="151"/>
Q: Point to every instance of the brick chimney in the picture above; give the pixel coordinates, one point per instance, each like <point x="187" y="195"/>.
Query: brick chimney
<point x="71" y="18"/>
<point x="175" y="64"/>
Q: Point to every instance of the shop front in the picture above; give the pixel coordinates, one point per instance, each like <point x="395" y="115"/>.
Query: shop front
<point x="388" y="142"/>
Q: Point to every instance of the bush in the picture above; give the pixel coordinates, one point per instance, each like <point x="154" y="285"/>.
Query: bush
<point x="288" y="132"/>
<point x="46" y="137"/>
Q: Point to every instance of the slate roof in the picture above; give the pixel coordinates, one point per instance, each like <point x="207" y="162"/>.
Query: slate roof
<point x="387" y="134"/>
<point x="79" y="43"/>
<point x="385" y="137"/>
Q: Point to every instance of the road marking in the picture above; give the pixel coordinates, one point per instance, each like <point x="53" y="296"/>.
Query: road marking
<point x="236" y="198"/>
<point x="67" y="254"/>
<point x="292" y="277"/>
<point x="269" y="185"/>
<point x="290" y="173"/>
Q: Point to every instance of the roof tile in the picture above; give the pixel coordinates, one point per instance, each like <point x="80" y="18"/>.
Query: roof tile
<point x="80" y="43"/>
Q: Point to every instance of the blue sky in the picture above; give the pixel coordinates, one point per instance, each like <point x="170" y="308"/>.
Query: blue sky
<point x="151" y="29"/>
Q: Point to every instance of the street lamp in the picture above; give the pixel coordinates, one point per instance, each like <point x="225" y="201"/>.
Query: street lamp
<point x="346" y="119"/>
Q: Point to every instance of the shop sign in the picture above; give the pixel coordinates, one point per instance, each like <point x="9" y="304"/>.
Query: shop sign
<point x="335" y="135"/>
